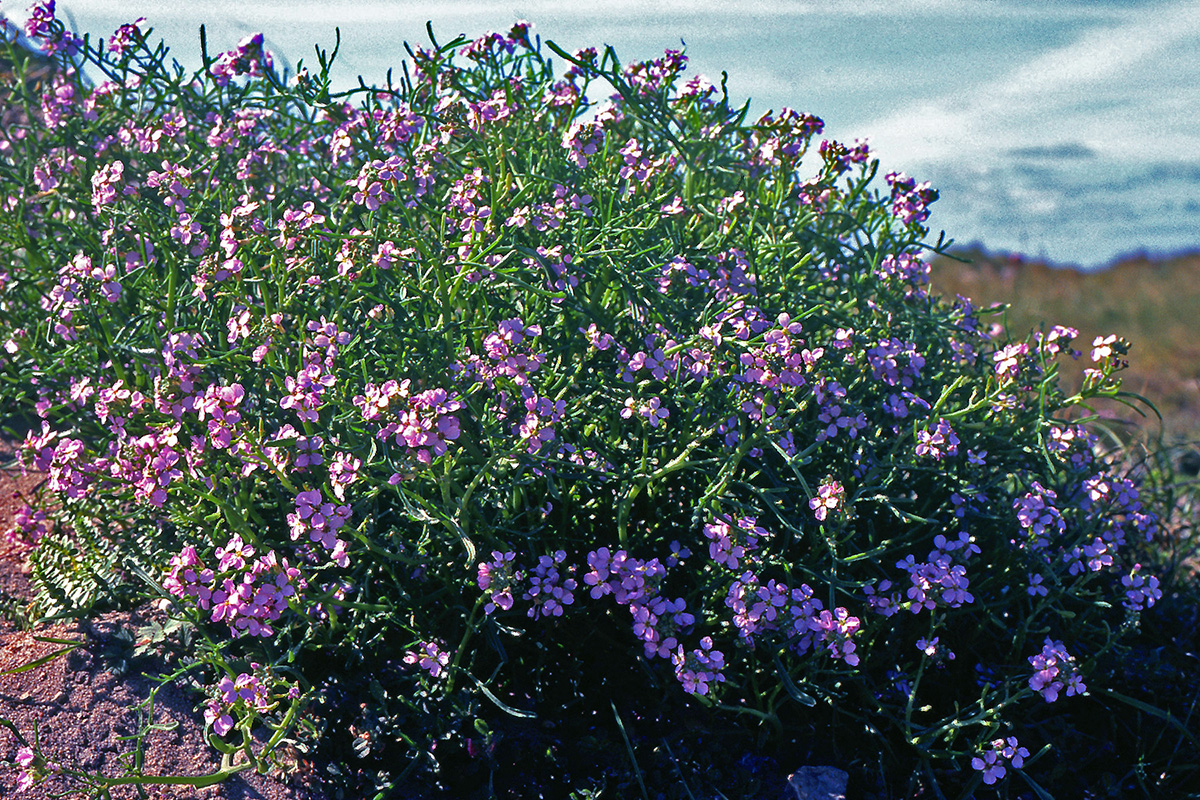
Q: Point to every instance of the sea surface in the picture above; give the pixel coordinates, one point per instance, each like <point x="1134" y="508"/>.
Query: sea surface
<point x="1063" y="130"/>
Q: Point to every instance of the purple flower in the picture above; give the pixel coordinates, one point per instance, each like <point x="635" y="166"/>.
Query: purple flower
<point x="895" y="406"/>
<point x="583" y="140"/>
<point x="601" y="563"/>
<point x="653" y="411"/>
<point x="939" y="443"/>
<point x="597" y="339"/>
<point x="699" y="669"/>
<point x="732" y="539"/>
<point x="550" y="590"/>
<point x="1141" y="591"/>
<point x="999" y="755"/>
<point x="430" y="657"/>
<point x="678" y="555"/>
<point x="1103" y="347"/>
<point x="220" y="720"/>
<point x="498" y="577"/>
<point x="933" y="649"/>
<point x="234" y="554"/>
<point x="1008" y="361"/>
<point x="1053" y="668"/>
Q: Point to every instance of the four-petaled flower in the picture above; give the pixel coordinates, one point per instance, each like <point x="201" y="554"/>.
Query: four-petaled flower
<point x="829" y="496"/>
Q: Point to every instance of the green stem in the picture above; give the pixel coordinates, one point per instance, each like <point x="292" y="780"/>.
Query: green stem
<point x="199" y="781"/>
<point x="462" y="646"/>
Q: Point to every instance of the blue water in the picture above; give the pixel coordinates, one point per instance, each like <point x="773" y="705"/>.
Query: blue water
<point x="1066" y="130"/>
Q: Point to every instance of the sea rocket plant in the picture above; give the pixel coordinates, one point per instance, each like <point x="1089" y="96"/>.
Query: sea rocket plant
<point x="492" y="366"/>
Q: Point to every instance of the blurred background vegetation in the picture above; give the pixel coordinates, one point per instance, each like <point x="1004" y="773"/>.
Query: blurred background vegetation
<point x="1153" y="303"/>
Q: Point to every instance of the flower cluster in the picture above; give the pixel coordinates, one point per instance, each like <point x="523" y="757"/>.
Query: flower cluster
<point x="425" y="428"/>
<point x="305" y="390"/>
<point x="761" y="608"/>
<point x="248" y="594"/>
<point x="507" y="355"/>
<point x="938" y="581"/>
<point x="1053" y="669"/>
<point x="895" y="362"/>
<point x="910" y="200"/>
<point x="700" y="668"/>
<point x="583" y="139"/>
<point x="248" y="58"/>
<point x="938" y="443"/>
<point x="43" y="25"/>
<point x="1141" y="590"/>
<point x="999" y="755"/>
<point x="732" y="539"/>
<point x="320" y="520"/>
<point x="29" y="526"/>
<point x="1038" y="516"/>
<point x="246" y="692"/>
<point x="550" y="590"/>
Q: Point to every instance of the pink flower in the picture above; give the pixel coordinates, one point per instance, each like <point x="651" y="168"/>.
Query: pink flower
<point x="430" y="658"/>
<point x="829" y="496"/>
<point x="673" y="208"/>
<point x="1102" y="347"/>
<point x="220" y="720"/>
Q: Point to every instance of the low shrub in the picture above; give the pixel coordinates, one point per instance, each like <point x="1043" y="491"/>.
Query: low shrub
<point x="528" y="406"/>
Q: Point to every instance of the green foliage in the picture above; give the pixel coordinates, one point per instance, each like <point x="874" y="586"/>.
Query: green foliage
<point x="71" y="572"/>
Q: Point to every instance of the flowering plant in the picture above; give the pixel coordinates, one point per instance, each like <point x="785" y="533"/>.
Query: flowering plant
<point x="491" y="391"/>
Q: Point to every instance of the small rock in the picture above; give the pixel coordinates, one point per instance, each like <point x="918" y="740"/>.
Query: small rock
<point x="819" y="783"/>
<point x="102" y="629"/>
<point x="79" y="660"/>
